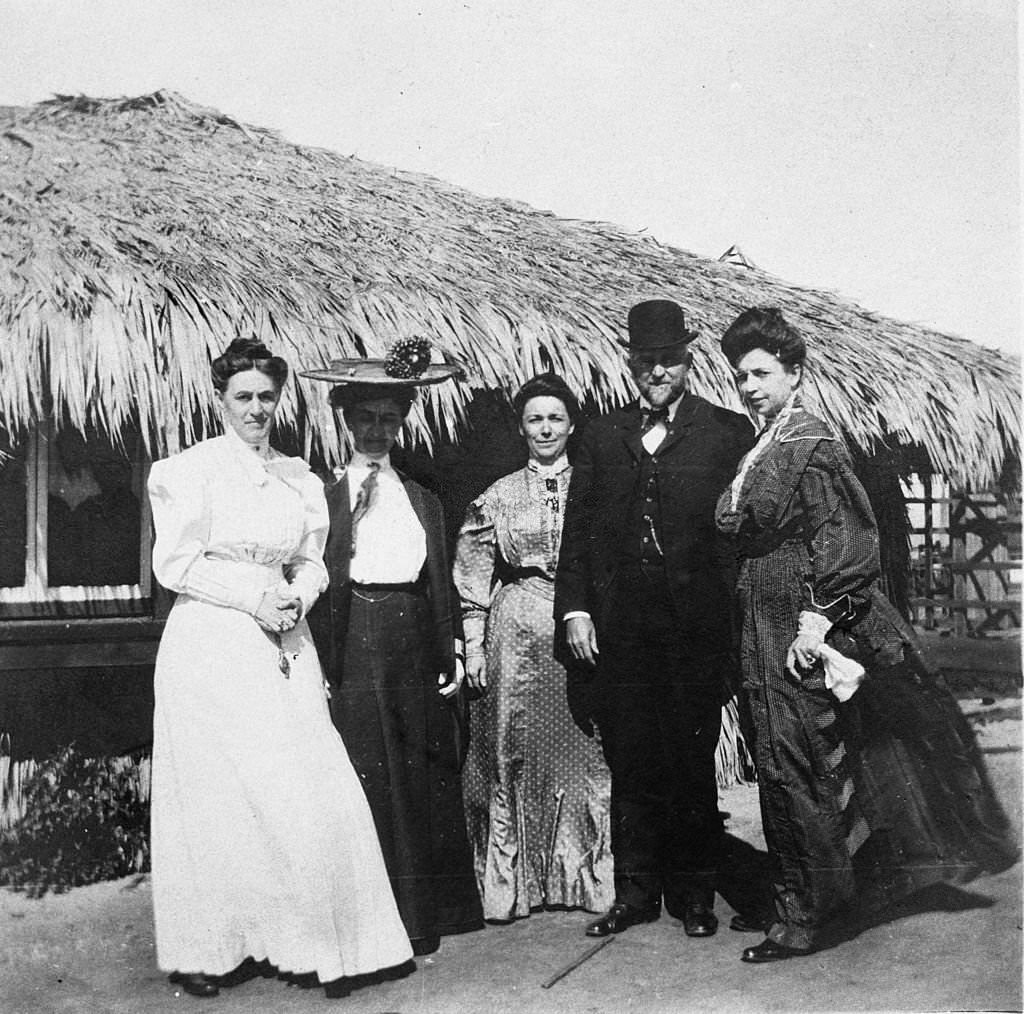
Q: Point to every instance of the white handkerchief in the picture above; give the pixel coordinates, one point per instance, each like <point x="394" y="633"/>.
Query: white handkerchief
<point x="842" y="675"/>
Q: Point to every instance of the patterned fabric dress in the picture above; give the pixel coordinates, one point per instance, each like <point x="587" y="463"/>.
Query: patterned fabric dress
<point x="536" y="787"/>
<point x="867" y="800"/>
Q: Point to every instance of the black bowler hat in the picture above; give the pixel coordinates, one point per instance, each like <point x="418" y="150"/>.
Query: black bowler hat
<point x="657" y="324"/>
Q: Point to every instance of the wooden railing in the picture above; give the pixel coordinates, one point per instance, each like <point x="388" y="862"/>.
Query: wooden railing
<point x="973" y="580"/>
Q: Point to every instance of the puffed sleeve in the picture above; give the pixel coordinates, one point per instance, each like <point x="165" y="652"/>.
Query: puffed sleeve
<point x="474" y="571"/>
<point x="179" y="496"/>
<point x="306" y="572"/>
<point x="841" y="532"/>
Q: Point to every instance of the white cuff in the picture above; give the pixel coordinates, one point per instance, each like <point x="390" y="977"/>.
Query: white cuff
<point x="814" y="625"/>
<point x="575" y="615"/>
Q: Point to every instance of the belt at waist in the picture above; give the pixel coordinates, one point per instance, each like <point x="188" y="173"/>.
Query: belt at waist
<point x="757" y="549"/>
<point x="521" y="573"/>
<point x="408" y="586"/>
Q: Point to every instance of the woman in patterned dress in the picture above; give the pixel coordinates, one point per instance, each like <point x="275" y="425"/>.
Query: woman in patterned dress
<point x="264" y="849"/>
<point x="535" y="783"/>
<point x="866" y="794"/>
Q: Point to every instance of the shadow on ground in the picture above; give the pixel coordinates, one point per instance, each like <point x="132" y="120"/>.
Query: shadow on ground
<point x="91" y="951"/>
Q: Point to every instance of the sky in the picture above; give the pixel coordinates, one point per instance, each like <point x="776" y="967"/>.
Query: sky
<point x="871" y="148"/>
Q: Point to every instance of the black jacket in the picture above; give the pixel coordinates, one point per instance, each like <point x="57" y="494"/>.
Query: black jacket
<point x="697" y="459"/>
<point x="328" y="620"/>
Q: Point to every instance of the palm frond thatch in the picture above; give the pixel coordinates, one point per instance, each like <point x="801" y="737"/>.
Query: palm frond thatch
<point x="140" y="235"/>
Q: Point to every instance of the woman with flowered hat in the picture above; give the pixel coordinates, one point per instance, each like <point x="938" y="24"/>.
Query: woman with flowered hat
<point x="390" y="637"/>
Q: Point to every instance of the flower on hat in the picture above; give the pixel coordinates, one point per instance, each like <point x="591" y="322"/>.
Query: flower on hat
<point x="408" y="358"/>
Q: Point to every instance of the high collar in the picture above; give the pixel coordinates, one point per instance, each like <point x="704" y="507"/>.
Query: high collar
<point x="250" y="461"/>
<point x="361" y="460"/>
<point x="794" y="403"/>
<point x="240" y="446"/>
<point x="557" y="467"/>
<point x="259" y="469"/>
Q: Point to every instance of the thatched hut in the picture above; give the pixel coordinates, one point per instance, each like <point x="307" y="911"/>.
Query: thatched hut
<point x="139" y="235"/>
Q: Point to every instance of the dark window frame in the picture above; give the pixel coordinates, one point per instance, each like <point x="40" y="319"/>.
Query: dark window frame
<point x="35" y="599"/>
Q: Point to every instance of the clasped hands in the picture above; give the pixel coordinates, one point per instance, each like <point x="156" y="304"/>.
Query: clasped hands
<point x="279" y="609"/>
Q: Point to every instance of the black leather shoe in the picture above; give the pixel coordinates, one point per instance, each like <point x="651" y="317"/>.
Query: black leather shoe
<point x="248" y="969"/>
<point x="699" y="920"/>
<point x="620" y="917"/>
<point x="338" y="989"/>
<point x="769" y="950"/>
<point x="748" y="923"/>
<point x="195" y="983"/>
<point x="304" y="980"/>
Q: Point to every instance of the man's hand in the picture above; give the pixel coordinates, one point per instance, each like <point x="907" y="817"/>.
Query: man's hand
<point x="450" y="687"/>
<point x="476" y="673"/>
<point x="582" y="639"/>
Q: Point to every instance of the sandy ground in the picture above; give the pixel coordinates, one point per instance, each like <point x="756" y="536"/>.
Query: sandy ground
<point x="91" y="950"/>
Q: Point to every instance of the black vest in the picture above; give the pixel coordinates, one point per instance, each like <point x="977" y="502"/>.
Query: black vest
<point x="643" y="534"/>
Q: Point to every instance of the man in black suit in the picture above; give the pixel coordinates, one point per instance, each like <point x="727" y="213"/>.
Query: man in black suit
<point x="643" y="587"/>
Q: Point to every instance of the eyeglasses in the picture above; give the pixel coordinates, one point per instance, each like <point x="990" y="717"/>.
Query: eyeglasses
<point x="644" y="362"/>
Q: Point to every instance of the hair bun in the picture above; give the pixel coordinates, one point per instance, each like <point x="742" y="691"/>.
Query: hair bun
<point x="251" y="348"/>
<point x="247" y="354"/>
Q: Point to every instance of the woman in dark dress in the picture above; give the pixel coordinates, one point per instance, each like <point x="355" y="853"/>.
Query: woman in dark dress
<point x="389" y="634"/>
<point x="866" y="794"/>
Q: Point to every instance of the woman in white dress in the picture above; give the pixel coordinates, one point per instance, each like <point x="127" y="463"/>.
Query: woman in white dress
<point x="263" y="847"/>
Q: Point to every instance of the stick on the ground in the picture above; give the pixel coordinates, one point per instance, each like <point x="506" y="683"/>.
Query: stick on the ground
<point x="585" y="956"/>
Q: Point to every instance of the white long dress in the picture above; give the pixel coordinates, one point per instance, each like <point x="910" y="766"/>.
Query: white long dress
<point x="263" y="844"/>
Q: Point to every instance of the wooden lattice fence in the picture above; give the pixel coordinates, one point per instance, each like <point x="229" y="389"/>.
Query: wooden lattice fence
<point x="967" y="567"/>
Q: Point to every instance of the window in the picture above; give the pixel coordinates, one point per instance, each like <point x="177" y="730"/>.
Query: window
<point x="74" y="525"/>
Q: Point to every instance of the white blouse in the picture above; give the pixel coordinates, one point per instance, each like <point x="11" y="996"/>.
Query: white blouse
<point x="391" y="546"/>
<point x="230" y="524"/>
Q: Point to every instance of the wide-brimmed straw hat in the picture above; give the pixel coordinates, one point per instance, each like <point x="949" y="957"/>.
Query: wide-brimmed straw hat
<point x="407" y="364"/>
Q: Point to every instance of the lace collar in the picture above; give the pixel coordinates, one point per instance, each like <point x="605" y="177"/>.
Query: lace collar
<point x="555" y="469"/>
<point x="768" y="433"/>
<point x="794" y="403"/>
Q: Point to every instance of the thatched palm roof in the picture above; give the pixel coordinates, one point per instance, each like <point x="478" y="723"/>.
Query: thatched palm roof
<point x="139" y="235"/>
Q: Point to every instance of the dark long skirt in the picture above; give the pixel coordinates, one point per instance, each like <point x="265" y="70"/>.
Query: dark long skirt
<point x="865" y="802"/>
<point x="401" y="737"/>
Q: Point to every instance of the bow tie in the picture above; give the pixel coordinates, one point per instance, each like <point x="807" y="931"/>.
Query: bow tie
<point x="653" y="416"/>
